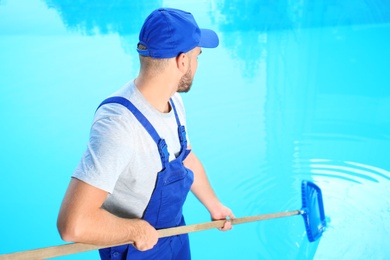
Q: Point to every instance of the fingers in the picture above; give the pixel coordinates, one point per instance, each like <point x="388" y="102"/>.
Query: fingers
<point x="226" y="226"/>
<point x="142" y="246"/>
<point x="147" y="237"/>
<point x="223" y="212"/>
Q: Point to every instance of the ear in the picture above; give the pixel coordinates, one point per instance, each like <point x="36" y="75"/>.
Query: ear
<point x="182" y="62"/>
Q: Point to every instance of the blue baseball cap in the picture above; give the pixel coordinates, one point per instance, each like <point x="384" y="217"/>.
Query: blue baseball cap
<point x="167" y="32"/>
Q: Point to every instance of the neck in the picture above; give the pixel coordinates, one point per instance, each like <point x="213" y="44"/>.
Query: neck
<point x="156" y="90"/>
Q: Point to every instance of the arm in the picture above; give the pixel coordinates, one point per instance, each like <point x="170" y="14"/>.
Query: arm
<point x="81" y="219"/>
<point x="204" y="192"/>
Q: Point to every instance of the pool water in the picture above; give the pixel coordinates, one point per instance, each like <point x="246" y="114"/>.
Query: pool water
<point x="297" y="90"/>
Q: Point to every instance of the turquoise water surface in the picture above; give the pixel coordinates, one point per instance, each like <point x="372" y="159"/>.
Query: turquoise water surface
<point x="296" y="90"/>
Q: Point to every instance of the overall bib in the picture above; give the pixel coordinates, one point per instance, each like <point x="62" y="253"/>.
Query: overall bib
<point x="165" y="206"/>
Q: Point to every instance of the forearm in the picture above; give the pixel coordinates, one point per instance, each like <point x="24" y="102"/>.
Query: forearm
<point x="204" y="192"/>
<point x="201" y="187"/>
<point x="100" y="228"/>
<point x="82" y="219"/>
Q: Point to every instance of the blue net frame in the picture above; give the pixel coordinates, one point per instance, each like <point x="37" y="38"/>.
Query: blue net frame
<point x="313" y="210"/>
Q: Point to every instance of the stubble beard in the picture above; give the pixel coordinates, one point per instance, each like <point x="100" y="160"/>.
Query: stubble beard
<point x="185" y="82"/>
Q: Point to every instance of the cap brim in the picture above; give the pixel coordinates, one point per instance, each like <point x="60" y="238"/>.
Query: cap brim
<point x="208" y="39"/>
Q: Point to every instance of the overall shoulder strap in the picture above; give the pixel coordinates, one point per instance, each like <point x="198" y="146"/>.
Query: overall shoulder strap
<point x="181" y="129"/>
<point x="161" y="144"/>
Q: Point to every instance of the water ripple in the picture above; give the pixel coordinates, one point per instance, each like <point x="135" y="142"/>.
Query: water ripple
<point x="357" y="203"/>
<point x="346" y="170"/>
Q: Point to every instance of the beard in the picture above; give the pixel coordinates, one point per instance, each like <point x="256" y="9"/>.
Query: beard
<point x="185" y="82"/>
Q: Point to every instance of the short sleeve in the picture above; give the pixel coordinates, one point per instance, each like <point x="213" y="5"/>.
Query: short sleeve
<point x="108" y="151"/>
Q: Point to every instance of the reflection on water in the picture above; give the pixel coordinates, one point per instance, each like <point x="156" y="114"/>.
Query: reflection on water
<point x="122" y="18"/>
<point x="104" y="17"/>
<point x="260" y="15"/>
<point x="297" y="90"/>
<point x="246" y="24"/>
<point x="322" y="100"/>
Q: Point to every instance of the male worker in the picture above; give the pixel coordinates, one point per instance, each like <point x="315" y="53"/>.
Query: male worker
<point x="138" y="167"/>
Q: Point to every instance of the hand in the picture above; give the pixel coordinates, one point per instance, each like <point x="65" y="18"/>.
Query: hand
<point x="145" y="235"/>
<point x="221" y="212"/>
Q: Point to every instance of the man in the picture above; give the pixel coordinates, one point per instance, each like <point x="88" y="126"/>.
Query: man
<point x="138" y="168"/>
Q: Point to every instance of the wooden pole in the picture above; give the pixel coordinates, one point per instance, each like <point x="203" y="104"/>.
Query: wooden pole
<point x="74" y="248"/>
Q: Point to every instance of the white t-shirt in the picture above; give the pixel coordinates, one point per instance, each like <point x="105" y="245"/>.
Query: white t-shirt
<point x="122" y="158"/>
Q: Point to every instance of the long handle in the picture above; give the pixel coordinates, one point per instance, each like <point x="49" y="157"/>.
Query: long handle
<point x="73" y="248"/>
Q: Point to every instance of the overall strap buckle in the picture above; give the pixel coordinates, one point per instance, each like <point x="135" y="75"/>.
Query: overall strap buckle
<point x="163" y="150"/>
<point x="182" y="136"/>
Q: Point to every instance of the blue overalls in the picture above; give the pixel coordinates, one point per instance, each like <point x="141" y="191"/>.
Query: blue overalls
<point x="165" y="206"/>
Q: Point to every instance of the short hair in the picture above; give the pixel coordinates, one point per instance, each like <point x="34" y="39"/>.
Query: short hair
<point x="152" y="65"/>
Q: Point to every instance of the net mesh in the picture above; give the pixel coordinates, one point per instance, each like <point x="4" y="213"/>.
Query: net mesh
<point x="313" y="210"/>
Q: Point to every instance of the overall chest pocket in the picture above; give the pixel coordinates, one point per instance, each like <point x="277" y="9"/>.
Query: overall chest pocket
<point x="173" y="196"/>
